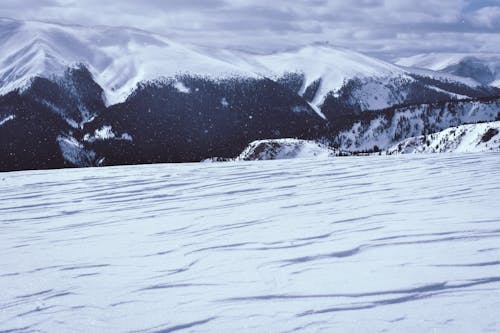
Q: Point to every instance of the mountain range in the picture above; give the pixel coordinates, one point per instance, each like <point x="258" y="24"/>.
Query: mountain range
<point x="90" y="96"/>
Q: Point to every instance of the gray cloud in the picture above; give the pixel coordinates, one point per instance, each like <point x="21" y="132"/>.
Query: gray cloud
<point x="386" y="28"/>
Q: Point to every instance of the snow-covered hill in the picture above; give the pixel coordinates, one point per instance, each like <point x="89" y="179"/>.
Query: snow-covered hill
<point x="279" y="149"/>
<point x="377" y="244"/>
<point x="385" y="129"/>
<point x="471" y="138"/>
<point x="484" y="68"/>
<point x="480" y="137"/>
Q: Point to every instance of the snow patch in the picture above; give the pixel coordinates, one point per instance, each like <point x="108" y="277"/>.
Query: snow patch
<point x="127" y="137"/>
<point x="317" y="110"/>
<point x="495" y="83"/>
<point x="6" y="119"/>
<point x="453" y="95"/>
<point x="74" y="152"/>
<point x="106" y="133"/>
<point x="179" y="85"/>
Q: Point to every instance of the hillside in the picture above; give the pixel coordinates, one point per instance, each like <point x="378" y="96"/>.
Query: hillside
<point x="482" y="137"/>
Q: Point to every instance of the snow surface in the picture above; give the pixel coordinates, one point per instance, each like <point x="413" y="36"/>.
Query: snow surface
<point x="406" y="243"/>
<point x="463" y="139"/>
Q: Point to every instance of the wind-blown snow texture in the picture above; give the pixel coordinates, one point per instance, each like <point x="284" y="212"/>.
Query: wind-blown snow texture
<point x="399" y="243"/>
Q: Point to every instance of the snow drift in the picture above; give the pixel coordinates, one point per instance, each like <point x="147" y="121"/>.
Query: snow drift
<point x="391" y="243"/>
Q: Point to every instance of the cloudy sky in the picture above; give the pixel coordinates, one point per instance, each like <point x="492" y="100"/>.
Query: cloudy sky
<point x="386" y="28"/>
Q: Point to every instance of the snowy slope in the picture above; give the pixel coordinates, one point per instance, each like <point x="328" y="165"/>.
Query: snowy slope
<point x="387" y="129"/>
<point x="462" y="139"/>
<point x="484" y="68"/>
<point x="378" y="244"/>
<point x="279" y="149"/>
<point x="332" y="66"/>
<point x="118" y="58"/>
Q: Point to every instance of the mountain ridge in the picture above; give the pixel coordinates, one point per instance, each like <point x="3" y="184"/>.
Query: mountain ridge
<point x="120" y="58"/>
<point x="482" y="67"/>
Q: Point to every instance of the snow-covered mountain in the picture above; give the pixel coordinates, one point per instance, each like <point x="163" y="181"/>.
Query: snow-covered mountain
<point x="481" y="137"/>
<point x="318" y="70"/>
<point x="118" y="58"/>
<point x="484" y="68"/>
<point x="335" y="79"/>
<point x="121" y="58"/>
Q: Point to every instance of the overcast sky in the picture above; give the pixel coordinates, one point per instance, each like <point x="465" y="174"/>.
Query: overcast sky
<point x="386" y="28"/>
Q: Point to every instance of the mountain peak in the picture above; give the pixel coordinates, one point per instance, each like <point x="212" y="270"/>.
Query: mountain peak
<point x="118" y="58"/>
